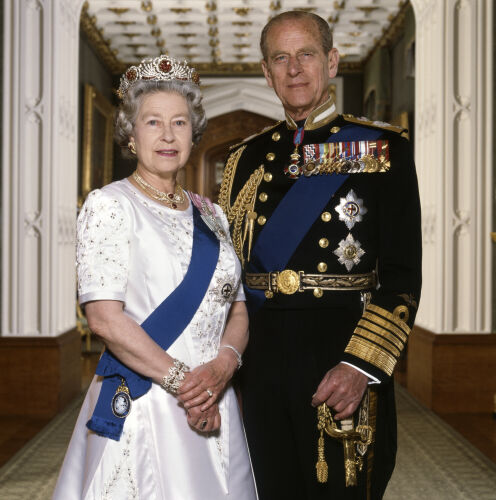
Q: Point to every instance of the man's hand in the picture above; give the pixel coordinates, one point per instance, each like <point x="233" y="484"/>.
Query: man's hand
<point x="342" y="388"/>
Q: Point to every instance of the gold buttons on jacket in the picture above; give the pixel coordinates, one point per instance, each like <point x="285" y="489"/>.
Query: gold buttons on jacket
<point x="276" y="136"/>
<point x="267" y="177"/>
<point x="335" y="130"/>
<point x="318" y="292"/>
<point x="263" y="197"/>
<point x="326" y="216"/>
<point x="270" y="156"/>
<point x="323" y="242"/>
<point x="261" y="220"/>
<point x="322" y="267"/>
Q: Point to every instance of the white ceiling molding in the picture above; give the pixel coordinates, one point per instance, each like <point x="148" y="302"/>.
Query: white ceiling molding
<point x="223" y="35"/>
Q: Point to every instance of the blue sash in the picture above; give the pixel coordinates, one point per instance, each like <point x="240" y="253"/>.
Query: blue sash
<point x="164" y="325"/>
<point x="295" y="214"/>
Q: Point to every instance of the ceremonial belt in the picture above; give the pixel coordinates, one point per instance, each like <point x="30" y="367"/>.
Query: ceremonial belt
<point x="163" y="325"/>
<point x="289" y="282"/>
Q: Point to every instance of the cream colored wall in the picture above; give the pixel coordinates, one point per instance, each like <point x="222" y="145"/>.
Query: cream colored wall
<point x="454" y="156"/>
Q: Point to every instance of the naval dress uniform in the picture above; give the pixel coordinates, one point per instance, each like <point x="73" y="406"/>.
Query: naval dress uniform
<point x="332" y="274"/>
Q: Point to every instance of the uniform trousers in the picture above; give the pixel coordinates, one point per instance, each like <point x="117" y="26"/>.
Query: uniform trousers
<point x="288" y="353"/>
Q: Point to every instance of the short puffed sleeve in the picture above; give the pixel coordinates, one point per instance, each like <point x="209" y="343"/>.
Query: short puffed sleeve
<point x="102" y="249"/>
<point x="240" y="294"/>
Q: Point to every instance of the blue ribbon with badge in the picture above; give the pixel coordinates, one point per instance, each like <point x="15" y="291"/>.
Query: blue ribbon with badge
<point x="295" y="214"/>
<point x="164" y="325"/>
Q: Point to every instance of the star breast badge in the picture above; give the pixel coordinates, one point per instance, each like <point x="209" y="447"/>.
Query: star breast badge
<point x="351" y="209"/>
<point x="349" y="252"/>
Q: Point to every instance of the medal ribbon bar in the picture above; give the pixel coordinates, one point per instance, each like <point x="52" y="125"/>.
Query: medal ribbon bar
<point x="346" y="157"/>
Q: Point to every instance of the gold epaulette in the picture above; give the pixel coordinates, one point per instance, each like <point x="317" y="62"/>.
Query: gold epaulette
<point x="376" y="124"/>
<point x="251" y="137"/>
<point x="380" y="337"/>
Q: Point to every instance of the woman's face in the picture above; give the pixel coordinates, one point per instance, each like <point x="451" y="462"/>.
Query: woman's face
<point x="163" y="133"/>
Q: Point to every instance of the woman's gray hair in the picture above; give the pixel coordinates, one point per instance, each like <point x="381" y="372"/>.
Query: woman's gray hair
<point x="126" y="115"/>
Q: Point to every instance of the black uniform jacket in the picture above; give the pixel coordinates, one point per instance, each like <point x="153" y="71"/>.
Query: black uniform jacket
<point x="386" y="238"/>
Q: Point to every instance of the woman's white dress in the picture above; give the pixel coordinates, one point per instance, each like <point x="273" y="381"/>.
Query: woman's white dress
<point x="137" y="251"/>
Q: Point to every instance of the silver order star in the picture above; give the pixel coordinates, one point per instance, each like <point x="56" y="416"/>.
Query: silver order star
<point x="351" y="209"/>
<point x="349" y="252"/>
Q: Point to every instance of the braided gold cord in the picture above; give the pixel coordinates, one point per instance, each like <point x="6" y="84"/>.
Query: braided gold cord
<point x="227" y="181"/>
<point x="321" y="465"/>
<point x="245" y="201"/>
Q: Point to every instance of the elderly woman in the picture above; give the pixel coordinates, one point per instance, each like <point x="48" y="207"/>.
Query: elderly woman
<point x="159" y="281"/>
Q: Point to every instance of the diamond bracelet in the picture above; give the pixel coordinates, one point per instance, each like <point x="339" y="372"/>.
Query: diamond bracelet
<point x="175" y="376"/>
<point x="236" y="352"/>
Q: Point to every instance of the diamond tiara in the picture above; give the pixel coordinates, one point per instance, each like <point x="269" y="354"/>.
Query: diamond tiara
<point x="162" y="68"/>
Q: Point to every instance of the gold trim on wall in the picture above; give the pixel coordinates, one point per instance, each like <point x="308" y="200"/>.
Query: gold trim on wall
<point x="99" y="43"/>
<point x="95" y="175"/>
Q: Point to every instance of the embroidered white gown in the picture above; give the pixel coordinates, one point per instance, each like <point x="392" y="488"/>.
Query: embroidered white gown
<point x="137" y="251"/>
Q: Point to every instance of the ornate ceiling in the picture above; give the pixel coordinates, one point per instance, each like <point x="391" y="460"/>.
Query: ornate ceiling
<point x="222" y="36"/>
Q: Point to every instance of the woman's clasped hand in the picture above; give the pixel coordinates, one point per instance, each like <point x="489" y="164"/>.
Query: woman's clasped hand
<point x="203" y="386"/>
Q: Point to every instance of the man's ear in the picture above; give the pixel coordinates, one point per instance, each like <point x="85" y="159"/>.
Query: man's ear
<point x="266" y="72"/>
<point x="333" y="62"/>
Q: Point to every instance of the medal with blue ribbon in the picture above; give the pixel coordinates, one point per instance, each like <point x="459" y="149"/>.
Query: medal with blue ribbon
<point x="293" y="170"/>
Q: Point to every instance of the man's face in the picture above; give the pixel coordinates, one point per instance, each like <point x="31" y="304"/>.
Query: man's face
<point x="297" y="67"/>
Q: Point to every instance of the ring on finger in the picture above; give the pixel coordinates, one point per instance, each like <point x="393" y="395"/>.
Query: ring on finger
<point x="203" y="424"/>
<point x="209" y="392"/>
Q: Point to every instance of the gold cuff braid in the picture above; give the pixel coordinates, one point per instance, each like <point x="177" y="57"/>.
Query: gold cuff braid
<point x="371" y="353"/>
<point x="379" y="338"/>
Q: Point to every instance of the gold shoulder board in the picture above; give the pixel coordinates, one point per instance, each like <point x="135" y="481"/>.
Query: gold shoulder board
<point x="251" y="137"/>
<point x="377" y="124"/>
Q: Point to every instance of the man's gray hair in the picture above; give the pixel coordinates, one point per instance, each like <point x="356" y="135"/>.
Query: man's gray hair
<point x="321" y="24"/>
<point x="127" y="112"/>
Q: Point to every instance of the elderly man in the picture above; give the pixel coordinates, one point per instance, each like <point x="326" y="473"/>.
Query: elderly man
<point x="325" y="217"/>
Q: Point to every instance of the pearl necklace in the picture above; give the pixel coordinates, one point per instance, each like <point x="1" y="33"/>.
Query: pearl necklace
<point x="171" y="199"/>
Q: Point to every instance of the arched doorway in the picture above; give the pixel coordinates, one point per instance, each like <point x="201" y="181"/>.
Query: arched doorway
<point x="204" y="170"/>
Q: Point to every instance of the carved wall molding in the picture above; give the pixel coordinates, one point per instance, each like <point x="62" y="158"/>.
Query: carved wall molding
<point x="39" y="174"/>
<point x="32" y="224"/>
<point x="454" y="160"/>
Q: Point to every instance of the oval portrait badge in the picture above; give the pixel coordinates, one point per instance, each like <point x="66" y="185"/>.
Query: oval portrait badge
<point x="121" y="404"/>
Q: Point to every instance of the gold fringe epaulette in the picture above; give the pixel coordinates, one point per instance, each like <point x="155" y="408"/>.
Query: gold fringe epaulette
<point x="375" y="124"/>
<point x="254" y="136"/>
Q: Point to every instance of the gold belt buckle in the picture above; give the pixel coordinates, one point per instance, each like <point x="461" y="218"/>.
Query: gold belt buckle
<point x="288" y="282"/>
